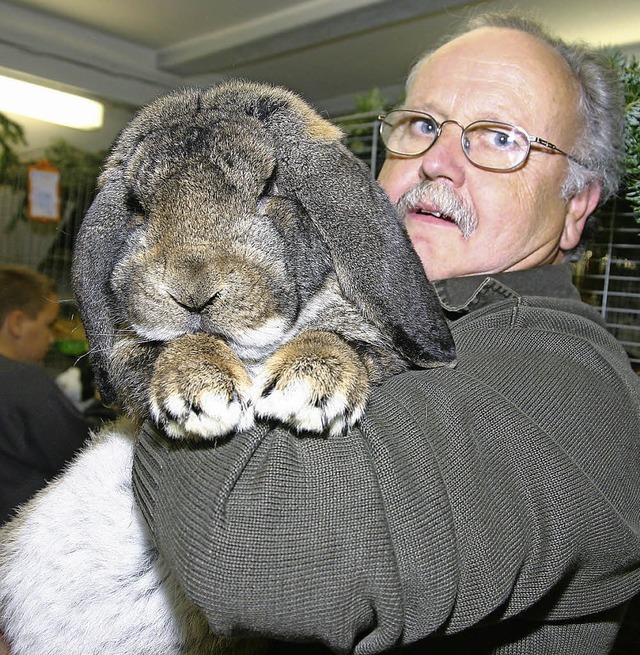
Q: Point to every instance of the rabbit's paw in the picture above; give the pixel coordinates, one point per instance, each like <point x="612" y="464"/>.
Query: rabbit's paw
<point x="200" y="389"/>
<point x="315" y="383"/>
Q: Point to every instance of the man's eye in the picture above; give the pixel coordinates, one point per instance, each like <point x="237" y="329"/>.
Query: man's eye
<point x="424" y="126"/>
<point x="501" y="139"/>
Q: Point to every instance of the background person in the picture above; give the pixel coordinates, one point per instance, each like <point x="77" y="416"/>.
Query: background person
<point x="489" y="508"/>
<point x="40" y="429"/>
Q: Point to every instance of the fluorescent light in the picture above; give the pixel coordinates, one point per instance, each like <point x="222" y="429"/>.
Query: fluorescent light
<point x="49" y="105"/>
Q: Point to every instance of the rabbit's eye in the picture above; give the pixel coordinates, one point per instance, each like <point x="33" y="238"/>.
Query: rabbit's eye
<point x="135" y="208"/>
<point x="269" y="190"/>
<point x="270" y="187"/>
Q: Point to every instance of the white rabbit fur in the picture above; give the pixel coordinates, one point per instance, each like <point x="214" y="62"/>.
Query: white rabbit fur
<point x="79" y="574"/>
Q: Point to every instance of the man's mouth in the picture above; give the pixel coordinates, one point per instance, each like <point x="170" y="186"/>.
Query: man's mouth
<point x="435" y="214"/>
<point x="439" y="205"/>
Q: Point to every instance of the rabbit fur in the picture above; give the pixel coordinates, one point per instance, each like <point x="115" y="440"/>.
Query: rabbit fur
<point x="79" y="574"/>
<point x="239" y="261"/>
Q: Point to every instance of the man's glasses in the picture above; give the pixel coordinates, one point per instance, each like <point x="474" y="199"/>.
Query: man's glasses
<point x="487" y="144"/>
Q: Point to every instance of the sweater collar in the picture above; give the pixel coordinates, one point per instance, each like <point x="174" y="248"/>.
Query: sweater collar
<point x="464" y="294"/>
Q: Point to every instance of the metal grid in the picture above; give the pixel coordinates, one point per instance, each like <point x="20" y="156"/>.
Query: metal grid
<point x="46" y="247"/>
<point x="608" y="276"/>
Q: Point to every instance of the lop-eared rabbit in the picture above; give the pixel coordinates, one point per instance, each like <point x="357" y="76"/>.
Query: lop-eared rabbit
<point x="238" y="264"/>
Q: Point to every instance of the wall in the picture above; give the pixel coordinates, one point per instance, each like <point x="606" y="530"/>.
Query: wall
<point x="40" y="134"/>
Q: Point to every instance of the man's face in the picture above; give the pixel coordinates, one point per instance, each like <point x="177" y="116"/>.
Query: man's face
<point x="521" y="219"/>
<point x="36" y="334"/>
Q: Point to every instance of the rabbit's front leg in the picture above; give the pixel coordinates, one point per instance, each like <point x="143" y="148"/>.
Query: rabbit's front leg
<point x="200" y="388"/>
<point x="316" y="382"/>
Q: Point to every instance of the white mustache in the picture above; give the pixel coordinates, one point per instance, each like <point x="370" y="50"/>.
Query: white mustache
<point x="445" y="200"/>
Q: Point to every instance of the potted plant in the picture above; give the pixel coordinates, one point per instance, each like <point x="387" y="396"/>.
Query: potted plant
<point x="12" y="196"/>
<point x="11" y="135"/>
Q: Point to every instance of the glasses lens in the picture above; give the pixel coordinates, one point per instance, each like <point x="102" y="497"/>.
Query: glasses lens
<point x="498" y="146"/>
<point x="408" y="132"/>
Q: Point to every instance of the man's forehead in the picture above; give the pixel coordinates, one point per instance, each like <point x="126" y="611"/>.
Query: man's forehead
<point x="495" y="71"/>
<point x="477" y="90"/>
<point x="495" y="52"/>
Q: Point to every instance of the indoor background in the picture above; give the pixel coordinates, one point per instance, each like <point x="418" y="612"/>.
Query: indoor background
<point x="344" y="56"/>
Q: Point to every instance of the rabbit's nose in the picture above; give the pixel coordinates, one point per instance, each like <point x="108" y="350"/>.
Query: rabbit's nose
<point x="194" y="281"/>
<point x="195" y="305"/>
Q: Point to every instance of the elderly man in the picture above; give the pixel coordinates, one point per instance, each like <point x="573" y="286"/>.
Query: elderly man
<point x="490" y="508"/>
<point x="479" y="194"/>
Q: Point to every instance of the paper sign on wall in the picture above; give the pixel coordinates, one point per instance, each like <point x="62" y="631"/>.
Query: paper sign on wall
<point x="44" y="192"/>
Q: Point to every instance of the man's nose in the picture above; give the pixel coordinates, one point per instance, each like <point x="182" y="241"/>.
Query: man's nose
<point x="445" y="160"/>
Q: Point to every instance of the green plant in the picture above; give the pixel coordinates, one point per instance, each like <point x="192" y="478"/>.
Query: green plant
<point x="11" y="135"/>
<point x="371" y="102"/>
<point x="358" y="127"/>
<point x="629" y="71"/>
<point x="77" y="166"/>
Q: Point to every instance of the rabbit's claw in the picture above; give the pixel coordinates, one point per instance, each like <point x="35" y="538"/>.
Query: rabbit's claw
<point x="200" y="389"/>
<point x="315" y="383"/>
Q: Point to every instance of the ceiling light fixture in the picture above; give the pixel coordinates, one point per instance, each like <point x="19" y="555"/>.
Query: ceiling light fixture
<point x="49" y="105"/>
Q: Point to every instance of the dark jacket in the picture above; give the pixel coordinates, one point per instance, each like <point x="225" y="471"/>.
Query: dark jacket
<point x="40" y="430"/>
<point x="489" y="508"/>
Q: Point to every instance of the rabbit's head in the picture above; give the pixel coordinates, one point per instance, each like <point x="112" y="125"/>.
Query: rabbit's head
<point x="223" y="210"/>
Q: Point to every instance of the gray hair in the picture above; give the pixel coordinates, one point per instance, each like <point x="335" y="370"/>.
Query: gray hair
<point x="600" y="111"/>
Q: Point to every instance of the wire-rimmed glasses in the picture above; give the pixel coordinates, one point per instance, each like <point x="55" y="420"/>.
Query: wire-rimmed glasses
<point x="491" y="145"/>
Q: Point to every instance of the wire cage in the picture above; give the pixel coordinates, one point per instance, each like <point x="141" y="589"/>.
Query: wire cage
<point x="608" y="276"/>
<point x="45" y="246"/>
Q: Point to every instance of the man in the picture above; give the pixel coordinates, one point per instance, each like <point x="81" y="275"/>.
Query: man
<point x="490" y="508"/>
<point x="40" y="429"/>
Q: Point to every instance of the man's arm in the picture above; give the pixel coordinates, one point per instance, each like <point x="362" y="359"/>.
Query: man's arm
<point x="506" y="485"/>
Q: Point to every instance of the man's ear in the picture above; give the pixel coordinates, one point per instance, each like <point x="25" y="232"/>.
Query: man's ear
<point x="579" y="208"/>
<point x="14" y="322"/>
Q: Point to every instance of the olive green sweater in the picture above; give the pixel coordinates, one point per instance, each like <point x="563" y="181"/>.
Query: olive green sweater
<point x="489" y="508"/>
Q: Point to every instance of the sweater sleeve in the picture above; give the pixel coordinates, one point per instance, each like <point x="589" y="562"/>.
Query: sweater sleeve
<point x="507" y="485"/>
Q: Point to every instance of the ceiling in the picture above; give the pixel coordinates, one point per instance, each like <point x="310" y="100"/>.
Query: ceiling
<point x="126" y="52"/>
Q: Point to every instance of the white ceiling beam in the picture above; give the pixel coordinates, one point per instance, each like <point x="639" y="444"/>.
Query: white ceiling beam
<point x="299" y="27"/>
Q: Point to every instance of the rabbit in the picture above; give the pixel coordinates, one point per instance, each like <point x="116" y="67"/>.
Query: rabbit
<point x="238" y="262"/>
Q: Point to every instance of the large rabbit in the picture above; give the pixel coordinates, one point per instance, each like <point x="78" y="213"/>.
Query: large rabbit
<point x="238" y="260"/>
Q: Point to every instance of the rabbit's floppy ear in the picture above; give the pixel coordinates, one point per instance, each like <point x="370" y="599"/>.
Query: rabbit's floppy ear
<point x="376" y="264"/>
<point x="100" y="238"/>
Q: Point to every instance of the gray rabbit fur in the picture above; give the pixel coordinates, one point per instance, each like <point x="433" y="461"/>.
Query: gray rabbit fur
<point x="239" y="261"/>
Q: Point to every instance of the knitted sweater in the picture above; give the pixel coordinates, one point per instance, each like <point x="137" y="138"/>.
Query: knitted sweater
<point x="493" y="507"/>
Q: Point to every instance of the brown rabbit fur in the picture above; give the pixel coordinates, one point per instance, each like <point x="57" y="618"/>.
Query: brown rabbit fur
<point x="239" y="262"/>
